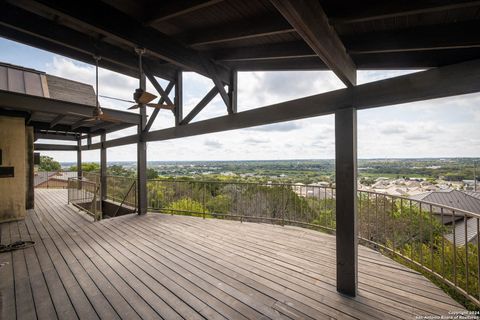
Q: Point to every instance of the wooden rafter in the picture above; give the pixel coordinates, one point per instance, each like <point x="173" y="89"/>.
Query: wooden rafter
<point x="163" y="93"/>
<point x="444" y="37"/>
<point x="393" y="9"/>
<point x="311" y="23"/>
<point x="462" y="78"/>
<point x="77" y="124"/>
<point x="129" y="31"/>
<point x="286" y="50"/>
<point x="161" y="11"/>
<point x="155" y="112"/>
<point x="34" y="30"/>
<point x="55" y="136"/>
<point x="57" y="120"/>
<point x="218" y="84"/>
<point x="200" y="106"/>
<point x="53" y="147"/>
<point x="257" y="27"/>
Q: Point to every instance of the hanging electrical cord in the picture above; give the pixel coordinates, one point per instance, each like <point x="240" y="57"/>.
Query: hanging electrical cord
<point x="17" y="245"/>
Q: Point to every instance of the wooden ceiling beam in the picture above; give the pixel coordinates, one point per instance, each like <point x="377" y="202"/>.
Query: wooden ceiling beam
<point x="393" y="9"/>
<point x="285" y="50"/>
<point x="285" y="64"/>
<point x="34" y="41"/>
<point x="57" y="120"/>
<point x="200" y="106"/>
<point x="164" y="11"/>
<point x="234" y="31"/>
<point x="55" y="136"/>
<point x="32" y="29"/>
<point x="155" y="112"/>
<point x="458" y="79"/>
<point x="38" y="125"/>
<point x="457" y="35"/>
<point x="77" y="124"/>
<point x="102" y="127"/>
<point x="311" y="23"/>
<point x="53" y="147"/>
<point x="127" y="30"/>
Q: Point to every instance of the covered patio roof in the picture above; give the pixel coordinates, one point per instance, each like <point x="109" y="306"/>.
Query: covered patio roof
<point x="250" y="35"/>
<point x="219" y="38"/>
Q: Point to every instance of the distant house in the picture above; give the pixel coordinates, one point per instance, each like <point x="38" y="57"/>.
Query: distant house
<point x="469" y="184"/>
<point x="466" y="201"/>
<point x="313" y="191"/>
<point x="473" y="194"/>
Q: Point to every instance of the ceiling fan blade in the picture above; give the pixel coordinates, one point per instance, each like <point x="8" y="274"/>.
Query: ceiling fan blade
<point x="161" y="106"/>
<point x="146" y="97"/>
<point x="90" y="120"/>
<point x="135" y="106"/>
<point x="107" y="118"/>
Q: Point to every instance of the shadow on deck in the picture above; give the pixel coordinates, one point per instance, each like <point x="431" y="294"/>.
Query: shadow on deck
<point x="161" y="266"/>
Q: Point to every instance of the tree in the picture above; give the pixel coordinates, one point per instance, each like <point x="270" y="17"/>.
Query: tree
<point x="87" y="167"/>
<point x="49" y="164"/>
<point x="186" y="206"/>
<point x="152" y="174"/>
<point x="118" y="170"/>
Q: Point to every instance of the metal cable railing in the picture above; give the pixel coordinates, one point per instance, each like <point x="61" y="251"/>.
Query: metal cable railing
<point x="122" y="190"/>
<point x="85" y="195"/>
<point x="52" y="179"/>
<point x="438" y="240"/>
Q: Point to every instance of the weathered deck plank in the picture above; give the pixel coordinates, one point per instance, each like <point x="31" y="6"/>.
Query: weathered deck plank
<point x="161" y="266"/>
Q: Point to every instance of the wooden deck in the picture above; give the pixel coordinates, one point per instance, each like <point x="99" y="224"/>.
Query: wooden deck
<point x="173" y="267"/>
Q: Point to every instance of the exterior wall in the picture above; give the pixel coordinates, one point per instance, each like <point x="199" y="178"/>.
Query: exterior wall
<point x="29" y="169"/>
<point x="12" y="189"/>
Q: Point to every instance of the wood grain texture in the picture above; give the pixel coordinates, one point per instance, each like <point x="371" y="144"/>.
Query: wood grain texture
<point x="160" y="266"/>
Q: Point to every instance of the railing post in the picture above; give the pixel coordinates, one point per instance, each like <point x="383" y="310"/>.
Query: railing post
<point x="79" y="158"/>
<point x="204" y="198"/>
<point x="94" y="203"/>
<point x="346" y="200"/>
<point x="103" y="168"/>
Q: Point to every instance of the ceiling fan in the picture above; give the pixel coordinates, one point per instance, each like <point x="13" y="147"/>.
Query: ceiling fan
<point x="97" y="113"/>
<point x="142" y="97"/>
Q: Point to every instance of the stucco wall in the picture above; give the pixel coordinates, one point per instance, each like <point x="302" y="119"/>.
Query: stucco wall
<point x="12" y="190"/>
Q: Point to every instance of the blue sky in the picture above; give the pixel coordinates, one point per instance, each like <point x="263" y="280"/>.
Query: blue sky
<point x="446" y="127"/>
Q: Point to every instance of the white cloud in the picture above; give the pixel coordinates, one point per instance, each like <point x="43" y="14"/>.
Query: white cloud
<point x="214" y="144"/>
<point x="282" y="127"/>
<point x="441" y="127"/>
<point x="254" y="141"/>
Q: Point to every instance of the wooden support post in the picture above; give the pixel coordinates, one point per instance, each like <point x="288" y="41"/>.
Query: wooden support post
<point x="142" y="157"/>
<point x="346" y="200"/>
<point x="103" y="167"/>
<point x="79" y="158"/>
<point x="178" y="98"/>
<point x="30" y="169"/>
<point x="232" y="92"/>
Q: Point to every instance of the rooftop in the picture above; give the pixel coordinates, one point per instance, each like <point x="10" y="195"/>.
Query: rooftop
<point x="468" y="201"/>
<point x="54" y="105"/>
